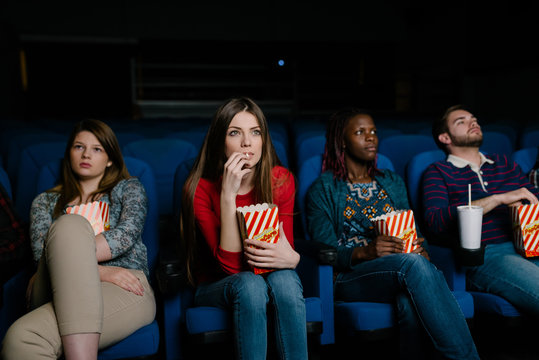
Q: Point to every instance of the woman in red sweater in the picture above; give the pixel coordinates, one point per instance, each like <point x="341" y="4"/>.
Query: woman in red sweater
<point x="237" y="166"/>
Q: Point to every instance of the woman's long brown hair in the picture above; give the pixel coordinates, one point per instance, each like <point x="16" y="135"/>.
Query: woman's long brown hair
<point x="210" y="165"/>
<point x="69" y="187"/>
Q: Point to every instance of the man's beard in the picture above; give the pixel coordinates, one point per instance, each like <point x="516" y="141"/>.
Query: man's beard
<point x="466" y="141"/>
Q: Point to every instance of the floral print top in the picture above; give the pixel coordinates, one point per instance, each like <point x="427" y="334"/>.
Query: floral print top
<point x="128" y="206"/>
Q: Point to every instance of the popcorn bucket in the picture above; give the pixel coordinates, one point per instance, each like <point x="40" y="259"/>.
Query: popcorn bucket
<point x="259" y="222"/>
<point x="97" y="213"/>
<point x="525" y="220"/>
<point x="400" y="224"/>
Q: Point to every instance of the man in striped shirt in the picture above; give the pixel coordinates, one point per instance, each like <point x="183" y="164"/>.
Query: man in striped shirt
<point x="496" y="183"/>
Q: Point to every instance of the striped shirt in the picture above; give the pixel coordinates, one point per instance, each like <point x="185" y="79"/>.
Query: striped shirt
<point x="445" y="186"/>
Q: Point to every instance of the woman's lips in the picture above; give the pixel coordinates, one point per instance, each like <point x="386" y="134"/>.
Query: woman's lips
<point x="85" y="165"/>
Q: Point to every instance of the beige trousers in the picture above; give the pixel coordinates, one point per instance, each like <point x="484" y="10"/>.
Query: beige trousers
<point x="69" y="298"/>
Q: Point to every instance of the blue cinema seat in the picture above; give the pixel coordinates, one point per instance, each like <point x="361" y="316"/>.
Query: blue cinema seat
<point x="194" y="136"/>
<point x="495" y="142"/>
<point x="186" y="325"/>
<point x="529" y="137"/>
<point x="525" y="158"/>
<point x="4" y="180"/>
<point x="163" y="155"/>
<point x="31" y="159"/>
<point x="367" y="320"/>
<point x="17" y="143"/>
<point x="145" y="341"/>
<point x="444" y="258"/>
<point x="309" y="146"/>
<point x="503" y="127"/>
<point x="401" y="148"/>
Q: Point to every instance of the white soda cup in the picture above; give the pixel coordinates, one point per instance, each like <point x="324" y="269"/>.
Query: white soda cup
<point x="470" y="223"/>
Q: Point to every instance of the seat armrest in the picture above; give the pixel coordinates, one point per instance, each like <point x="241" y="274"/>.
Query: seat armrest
<point x="170" y="276"/>
<point x="444" y="259"/>
<point x="316" y="273"/>
<point x="325" y="254"/>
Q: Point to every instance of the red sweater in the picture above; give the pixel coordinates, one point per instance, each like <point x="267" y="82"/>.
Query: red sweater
<point x="214" y="263"/>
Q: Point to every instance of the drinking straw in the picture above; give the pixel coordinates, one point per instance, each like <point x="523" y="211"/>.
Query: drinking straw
<point x="470" y="196"/>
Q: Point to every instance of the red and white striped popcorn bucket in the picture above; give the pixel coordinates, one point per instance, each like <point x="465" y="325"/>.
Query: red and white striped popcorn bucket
<point x="400" y="224"/>
<point x="97" y="213"/>
<point x="525" y="220"/>
<point x="259" y="222"/>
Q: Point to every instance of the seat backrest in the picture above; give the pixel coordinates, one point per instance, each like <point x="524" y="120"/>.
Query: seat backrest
<point x="4" y="180"/>
<point x="126" y="137"/>
<point x="282" y="154"/>
<point x="310" y="170"/>
<point x="49" y="175"/>
<point x="414" y="177"/>
<point x="401" y="148"/>
<point x="182" y="171"/>
<point x="504" y="128"/>
<point x="309" y="146"/>
<point x="529" y="138"/>
<point x="495" y="142"/>
<point x="19" y="142"/>
<point x="163" y="155"/>
<point x="525" y="158"/>
<point x="194" y="136"/>
<point x="31" y="159"/>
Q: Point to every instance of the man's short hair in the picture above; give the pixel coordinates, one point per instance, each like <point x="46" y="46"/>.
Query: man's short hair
<point x="439" y="126"/>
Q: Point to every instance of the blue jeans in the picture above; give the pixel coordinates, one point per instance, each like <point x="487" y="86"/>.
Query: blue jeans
<point x="423" y="301"/>
<point x="509" y="275"/>
<point x="248" y="295"/>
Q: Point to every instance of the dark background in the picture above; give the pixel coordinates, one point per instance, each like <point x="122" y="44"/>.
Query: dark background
<point x="405" y="58"/>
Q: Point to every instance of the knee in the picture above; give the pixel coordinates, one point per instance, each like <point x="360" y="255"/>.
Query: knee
<point x="418" y="265"/>
<point x="249" y="289"/>
<point x="68" y="221"/>
<point x="67" y="225"/>
<point x="286" y="286"/>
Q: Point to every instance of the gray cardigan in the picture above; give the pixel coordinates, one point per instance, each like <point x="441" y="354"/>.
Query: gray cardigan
<point x="325" y="203"/>
<point x="127" y="214"/>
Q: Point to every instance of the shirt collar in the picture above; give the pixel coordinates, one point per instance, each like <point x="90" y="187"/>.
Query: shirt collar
<point x="460" y="162"/>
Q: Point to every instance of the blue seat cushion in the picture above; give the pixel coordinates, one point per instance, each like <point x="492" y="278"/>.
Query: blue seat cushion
<point x="466" y="303"/>
<point x="364" y="316"/>
<point x="493" y="304"/>
<point x="313" y="309"/>
<point x="203" y="319"/>
<point x="368" y="316"/>
<point x="143" y="342"/>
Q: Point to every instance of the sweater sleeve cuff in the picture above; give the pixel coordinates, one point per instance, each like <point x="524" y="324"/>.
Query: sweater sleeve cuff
<point x="344" y="258"/>
<point x="230" y="261"/>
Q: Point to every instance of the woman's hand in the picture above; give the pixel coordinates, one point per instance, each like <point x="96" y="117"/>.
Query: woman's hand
<point x="122" y="278"/>
<point x="275" y="256"/>
<point x="233" y="174"/>
<point x="420" y="249"/>
<point x="383" y="245"/>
